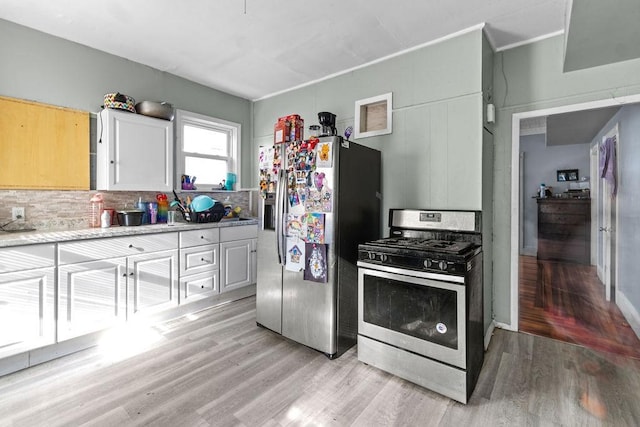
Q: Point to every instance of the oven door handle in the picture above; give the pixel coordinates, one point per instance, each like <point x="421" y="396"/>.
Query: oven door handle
<point x="413" y="273"/>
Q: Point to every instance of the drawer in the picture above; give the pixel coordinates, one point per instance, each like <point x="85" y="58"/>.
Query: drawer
<point x="582" y="208"/>
<point x="205" y="236"/>
<point x="17" y="258"/>
<point x="563" y="230"/>
<point x="562" y="218"/>
<point x="198" y="259"/>
<point x="95" y="249"/>
<point x="238" y="233"/>
<point x="196" y="286"/>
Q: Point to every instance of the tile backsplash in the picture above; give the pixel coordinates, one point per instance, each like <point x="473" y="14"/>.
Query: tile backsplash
<point x="63" y="210"/>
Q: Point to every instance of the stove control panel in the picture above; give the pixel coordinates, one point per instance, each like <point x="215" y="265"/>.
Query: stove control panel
<point x="412" y="263"/>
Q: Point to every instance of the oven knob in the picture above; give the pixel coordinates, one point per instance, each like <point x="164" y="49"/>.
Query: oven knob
<point x="372" y="255"/>
<point x="427" y="263"/>
<point x="442" y="265"/>
<point x="383" y="258"/>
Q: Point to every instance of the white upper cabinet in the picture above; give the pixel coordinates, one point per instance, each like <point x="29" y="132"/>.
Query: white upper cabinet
<point x="135" y="152"/>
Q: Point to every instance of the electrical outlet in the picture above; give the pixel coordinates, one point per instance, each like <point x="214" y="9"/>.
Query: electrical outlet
<point x="17" y="214"/>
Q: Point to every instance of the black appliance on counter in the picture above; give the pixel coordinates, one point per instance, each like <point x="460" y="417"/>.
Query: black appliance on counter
<point x="420" y="305"/>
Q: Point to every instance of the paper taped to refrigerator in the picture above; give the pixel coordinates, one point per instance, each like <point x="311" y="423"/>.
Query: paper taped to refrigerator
<point x="316" y="263"/>
<point x="295" y="254"/>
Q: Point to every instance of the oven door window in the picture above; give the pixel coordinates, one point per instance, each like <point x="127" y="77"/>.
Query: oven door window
<point x="425" y="312"/>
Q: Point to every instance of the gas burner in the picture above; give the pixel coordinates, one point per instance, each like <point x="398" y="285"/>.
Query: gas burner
<point x="424" y="244"/>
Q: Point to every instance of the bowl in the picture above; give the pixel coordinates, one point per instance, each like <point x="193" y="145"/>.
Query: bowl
<point x="159" y="110"/>
<point x="130" y="217"/>
<point x="202" y="203"/>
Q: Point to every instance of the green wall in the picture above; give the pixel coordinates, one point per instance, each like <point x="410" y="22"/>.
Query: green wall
<point x="43" y="68"/>
<point x="530" y="78"/>
<point x="433" y="157"/>
<point x="438" y="156"/>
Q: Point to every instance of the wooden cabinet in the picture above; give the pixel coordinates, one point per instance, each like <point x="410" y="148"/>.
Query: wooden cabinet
<point x="27" y="304"/>
<point x="199" y="264"/>
<point x="238" y="257"/>
<point x="102" y="282"/>
<point x="38" y="141"/>
<point x="564" y="230"/>
<point x="135" y="152"/>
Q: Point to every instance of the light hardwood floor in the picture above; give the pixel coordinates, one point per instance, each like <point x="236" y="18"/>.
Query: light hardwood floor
<point x="217" y="367"/>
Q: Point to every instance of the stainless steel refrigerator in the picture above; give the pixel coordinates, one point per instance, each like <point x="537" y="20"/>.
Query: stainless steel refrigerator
<point x="313" y="300"/>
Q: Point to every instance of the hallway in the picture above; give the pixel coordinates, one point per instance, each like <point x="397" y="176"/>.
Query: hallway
<point x="566" y="301"/>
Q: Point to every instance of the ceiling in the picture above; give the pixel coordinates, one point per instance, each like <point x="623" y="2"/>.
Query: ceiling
<point x="576" y="127"/>
<point x="599" y="33"/>
<point x="257" y="48"/>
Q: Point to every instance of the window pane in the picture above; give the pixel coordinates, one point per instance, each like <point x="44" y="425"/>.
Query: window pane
<point x="205" y="141"/>
<point x="208" y="171"/>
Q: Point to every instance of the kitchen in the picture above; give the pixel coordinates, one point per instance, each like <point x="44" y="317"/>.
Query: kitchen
<point x="468" y="185"/>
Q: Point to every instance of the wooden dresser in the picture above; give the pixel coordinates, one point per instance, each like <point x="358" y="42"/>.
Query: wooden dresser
<point x="564" y="230"/>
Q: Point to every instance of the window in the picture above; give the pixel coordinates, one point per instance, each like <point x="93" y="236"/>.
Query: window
<point x="207" y="148"/>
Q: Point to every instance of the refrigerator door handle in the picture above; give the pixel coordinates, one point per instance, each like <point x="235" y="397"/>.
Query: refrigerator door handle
<point x="279" y="207"/>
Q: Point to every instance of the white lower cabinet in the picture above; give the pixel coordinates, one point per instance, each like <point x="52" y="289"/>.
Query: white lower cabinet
<point x="238" y="257"/>
<point x="27" y="304"/>
<point x="198" y="264"/>
<point x="99" y="292"/>
<point x="91" y="296"/>
<point x="51" y="293"/>
<point x="152" y="280"/>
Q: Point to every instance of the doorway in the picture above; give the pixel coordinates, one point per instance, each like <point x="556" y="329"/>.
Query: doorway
<point x="573" y="284"/>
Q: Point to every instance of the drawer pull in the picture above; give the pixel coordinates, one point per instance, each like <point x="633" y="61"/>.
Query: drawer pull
<point x="136" y="248"/>
<point x="205" y="260"/>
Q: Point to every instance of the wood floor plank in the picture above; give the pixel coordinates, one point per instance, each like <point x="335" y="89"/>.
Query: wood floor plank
<point x="218" y="368"/>
<point x="572" y="307"/>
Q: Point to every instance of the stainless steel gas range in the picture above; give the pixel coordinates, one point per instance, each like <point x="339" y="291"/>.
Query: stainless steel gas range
<point x="420" y="308"/>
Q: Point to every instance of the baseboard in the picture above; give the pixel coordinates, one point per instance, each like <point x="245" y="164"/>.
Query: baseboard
<point x="506" y="326"/>
<point x="489" y="334"/>
<point x="629" y="312"/>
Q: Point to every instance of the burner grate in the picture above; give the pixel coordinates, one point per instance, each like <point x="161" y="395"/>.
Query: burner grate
<point x="424" y="244"/>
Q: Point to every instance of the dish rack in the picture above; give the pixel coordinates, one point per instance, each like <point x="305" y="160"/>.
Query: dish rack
<point x="213" y="214"/>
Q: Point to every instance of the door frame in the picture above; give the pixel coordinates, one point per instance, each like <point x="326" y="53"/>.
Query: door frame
<point x="515" y="183"/>
<point x="607" y="220"/>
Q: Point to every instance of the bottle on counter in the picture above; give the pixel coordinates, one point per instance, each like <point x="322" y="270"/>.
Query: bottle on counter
<point x="105" y="219"/>
<point x="163" y="207"/>
<point x="96" y="208"/>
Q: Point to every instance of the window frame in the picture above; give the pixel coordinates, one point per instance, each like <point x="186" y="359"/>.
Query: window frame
<point x="183" y="118"/>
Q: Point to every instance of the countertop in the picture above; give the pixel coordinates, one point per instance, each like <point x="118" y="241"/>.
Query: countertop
<point x="8" y="239"/>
